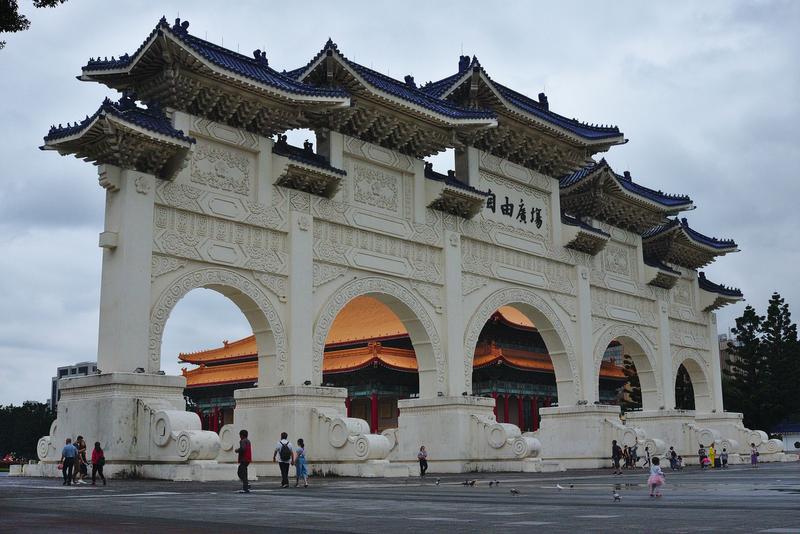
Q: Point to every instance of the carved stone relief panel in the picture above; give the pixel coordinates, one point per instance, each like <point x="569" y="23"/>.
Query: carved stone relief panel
<point x="624" y="307"/>
<point x="213" y="240"/>
<point x="518" y="173"/>
<point x="358" y="248"/>
<point x="617" y="259"/>
<point x="376" y="187"/>
<point x="378" y="154"/>
<point x="224" y="133"/>
<point x="685" y="334"/>
<point x="526" y="269"/>
<point x="222" y="168"/>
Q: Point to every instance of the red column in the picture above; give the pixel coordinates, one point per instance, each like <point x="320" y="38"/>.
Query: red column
<point x="521" y="412"/>
<point x="216" y="419"/>
<point x="494" y="396"/>
<point x="374" y="413"/>
<point x="535" y="412"/>
<point x="347" y="405"/>
<point x="505" y="408"/>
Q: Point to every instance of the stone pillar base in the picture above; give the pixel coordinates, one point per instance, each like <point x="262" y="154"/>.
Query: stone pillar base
<point x="460" y="435"/>
<point x="580" y="437"/>
<point x="674" y="428"/>
<point x="315" y="414"/>
<point x="139" y="419"/>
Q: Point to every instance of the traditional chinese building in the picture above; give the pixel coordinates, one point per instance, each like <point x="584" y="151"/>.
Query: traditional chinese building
<point x="369" y="353"/>
<point x="203" y="190"/>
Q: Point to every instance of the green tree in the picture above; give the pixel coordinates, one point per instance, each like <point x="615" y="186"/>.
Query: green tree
<point x="22" y="426"/>
<point x="779" y="342"/>
<point x="748" y="372"/>
<point x="684" y="391"/>
<point x="630" y="395"/>
<point x="11" y="21"/>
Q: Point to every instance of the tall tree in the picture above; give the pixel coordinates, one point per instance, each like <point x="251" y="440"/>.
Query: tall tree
<point x="630" y="396"/>
<point x="747" y="369"/>
<point x="11" y="21"/>
<point x="780" y="346"/>
<point x="22" y="426"/>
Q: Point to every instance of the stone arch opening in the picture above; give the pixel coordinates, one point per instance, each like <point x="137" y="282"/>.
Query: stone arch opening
<point x="408" y="310"/>
<point x="548" y="327"/>
<point x="256" y="307"/>
<point x="701" y="388"/>
<point x="638" y="351"/>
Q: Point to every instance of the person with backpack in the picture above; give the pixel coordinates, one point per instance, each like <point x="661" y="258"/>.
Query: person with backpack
<point x="245" y="452"/>
<point x="98" y="461"/>
<point x="81" y="467"/>
<point x="285" y="454"/>
<point x="673" y="459"/>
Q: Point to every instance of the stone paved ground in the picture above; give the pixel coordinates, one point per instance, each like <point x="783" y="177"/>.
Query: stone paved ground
<point x="739" y="499"/>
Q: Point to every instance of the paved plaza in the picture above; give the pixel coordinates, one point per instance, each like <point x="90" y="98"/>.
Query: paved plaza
<point x="739" y="499"/>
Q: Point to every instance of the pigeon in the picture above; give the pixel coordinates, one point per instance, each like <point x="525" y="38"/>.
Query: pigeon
<point x="465" y="483"/>
<point x="559" y="487"/>
<point x="514" y="492"/>
<point x="491" y="483"/>
<point x="496" y="482"/>
<point x="571" y="486"/>
<point x="472" y="482"/>
<point x="616" y="496"/>
<point x="437" y="481"/>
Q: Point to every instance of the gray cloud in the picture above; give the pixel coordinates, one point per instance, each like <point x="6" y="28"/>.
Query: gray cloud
<point x="706" y="92"/>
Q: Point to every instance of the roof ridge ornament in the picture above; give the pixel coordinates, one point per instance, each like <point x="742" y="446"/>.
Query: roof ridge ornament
<point x="181" y="27"/>
<point x="261" y="56"/>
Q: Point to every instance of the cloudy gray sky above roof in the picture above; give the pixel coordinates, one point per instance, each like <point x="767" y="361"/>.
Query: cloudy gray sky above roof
<point x="707" y="93"/>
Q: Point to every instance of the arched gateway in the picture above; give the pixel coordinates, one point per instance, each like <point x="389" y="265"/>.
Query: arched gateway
<point x="204" y="190"/>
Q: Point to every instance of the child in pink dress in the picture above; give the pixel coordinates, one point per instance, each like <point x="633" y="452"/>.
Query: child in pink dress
<point x="656" y="478"/>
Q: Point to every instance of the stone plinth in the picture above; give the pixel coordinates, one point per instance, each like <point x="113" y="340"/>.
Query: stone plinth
<point x="675" y="428"/>
<point x="140" y="421"/>
<point x="336" y="444"/>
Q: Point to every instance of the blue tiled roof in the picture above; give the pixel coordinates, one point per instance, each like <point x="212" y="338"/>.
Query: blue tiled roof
<point x="660" y="265"/>
<point x="255" y="68"/>
<point x="569" y="220"/>
<point x="304" y="155"/>
<point x="708" y="285"/>
<point x="626" y="183"/>
<point x="787" y="427"/>
<point x="152" y="119"/>
<point x="694" y="235"/>
<point x="451" y="180"/>
<point x="524" y="103"/>
<point x="403" y="90"/>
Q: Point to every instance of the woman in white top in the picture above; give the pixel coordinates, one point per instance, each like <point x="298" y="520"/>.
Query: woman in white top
<point x="656" y="478"/>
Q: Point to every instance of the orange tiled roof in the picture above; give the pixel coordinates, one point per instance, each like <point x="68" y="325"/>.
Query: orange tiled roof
<point x="229" y="373"/>
<point x="364" y="318"/>
<point x="490" y="354"/>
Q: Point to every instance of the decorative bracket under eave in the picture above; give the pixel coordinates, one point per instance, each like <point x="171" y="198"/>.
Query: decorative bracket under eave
<point x="582" y="237"/>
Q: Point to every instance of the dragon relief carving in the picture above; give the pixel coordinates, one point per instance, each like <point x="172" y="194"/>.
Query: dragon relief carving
<point x="375" y="187"/>
<point x="616" y="260"/>
<point x="223" y="169"/>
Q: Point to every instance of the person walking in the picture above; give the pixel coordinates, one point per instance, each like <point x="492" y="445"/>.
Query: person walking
<point x="702" y="457"/>
<point x="245" y="452"/>
<point x="81" y="462"/>
<point x="673" y="459"/>
<point x="422" y="456"/>
<point x="98" y="461"/>
<point x="647" y="459"/>
<point x="616" y="456"/>
<point x="753" y="455"/>
<point x="68" y="455"/>
<point x="300" y="468"/>
<point x="284" y="452"/>
<point x="626" y="457"/>
<point x="656" y="478"/>
<point x="723" y="457"/>
<point x="634" y="455"/>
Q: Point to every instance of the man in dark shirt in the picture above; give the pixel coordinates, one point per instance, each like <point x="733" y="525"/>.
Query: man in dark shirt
<point x="616" y="456"/>
<point x="245" y="453"/>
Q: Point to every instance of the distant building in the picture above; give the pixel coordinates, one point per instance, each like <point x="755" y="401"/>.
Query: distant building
<point x="69" y="371"/>
<point x="724" y="351"/>
<point x="790" y="435"/>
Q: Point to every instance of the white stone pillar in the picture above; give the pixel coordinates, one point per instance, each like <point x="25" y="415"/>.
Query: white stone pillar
<point x="453" y="316"/>
<point x="419" y="191"/>
<point x="331" y="145"/>
<point x="127" y="241"/>
<point x="584" y="347"/>
<point x="716" y="367"/>
<point x="264" y="175"/>
<point x="467" y="161"/>
<point x="665" y="362"/>
<point x="300" y="305"/>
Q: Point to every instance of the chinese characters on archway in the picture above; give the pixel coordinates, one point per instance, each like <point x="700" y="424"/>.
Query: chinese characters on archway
<point x="518" y="212"/>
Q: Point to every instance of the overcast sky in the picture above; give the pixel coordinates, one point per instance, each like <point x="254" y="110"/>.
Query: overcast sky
<point x="707" y="92"/>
